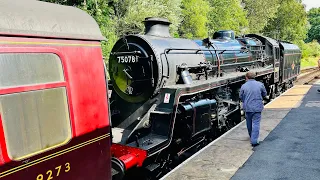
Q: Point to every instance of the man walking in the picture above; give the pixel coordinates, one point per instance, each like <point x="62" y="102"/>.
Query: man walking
<point x="252" y="94"/>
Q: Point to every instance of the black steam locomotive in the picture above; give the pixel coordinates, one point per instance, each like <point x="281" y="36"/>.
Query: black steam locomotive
<point x="170" y="95"/>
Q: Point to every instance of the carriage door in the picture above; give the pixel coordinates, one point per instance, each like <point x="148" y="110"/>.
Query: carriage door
<point x="276" y="64"/>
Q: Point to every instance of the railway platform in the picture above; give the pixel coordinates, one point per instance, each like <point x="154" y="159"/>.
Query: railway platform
<point x="289" y="144"/>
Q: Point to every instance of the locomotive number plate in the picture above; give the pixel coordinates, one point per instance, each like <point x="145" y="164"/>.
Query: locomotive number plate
<point x="128" y="59"/>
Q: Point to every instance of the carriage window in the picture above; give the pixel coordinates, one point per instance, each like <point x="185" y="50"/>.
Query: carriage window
<point x="29" y="68"/>
<point x="38" y="120"/>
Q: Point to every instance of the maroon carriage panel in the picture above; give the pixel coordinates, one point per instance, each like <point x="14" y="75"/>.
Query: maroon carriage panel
<point x="54" y="119"/>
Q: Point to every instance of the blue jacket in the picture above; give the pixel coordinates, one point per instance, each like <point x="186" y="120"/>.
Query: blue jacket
<point x="251" y="94"/>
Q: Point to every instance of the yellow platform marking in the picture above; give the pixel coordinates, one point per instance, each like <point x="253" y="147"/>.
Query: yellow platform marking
<point x="290" y="99"/>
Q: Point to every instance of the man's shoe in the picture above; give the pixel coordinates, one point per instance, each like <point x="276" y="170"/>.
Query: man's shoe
<point x="318" y="90"/>
<point x="254" y="145"/>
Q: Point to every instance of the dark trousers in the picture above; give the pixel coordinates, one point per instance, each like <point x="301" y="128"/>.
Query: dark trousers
<point x="253" y="124"/>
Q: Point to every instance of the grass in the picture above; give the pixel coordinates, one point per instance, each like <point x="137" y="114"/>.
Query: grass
<point x="309" y="62"/>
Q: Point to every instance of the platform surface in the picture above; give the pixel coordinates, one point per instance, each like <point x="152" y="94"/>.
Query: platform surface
<point x="292" y="150"/>
<point x="222" y="158"/>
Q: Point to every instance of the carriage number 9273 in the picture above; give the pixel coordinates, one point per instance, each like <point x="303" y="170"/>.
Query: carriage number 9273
<point x="51" y="174"/>
<point x="127" y="59"/>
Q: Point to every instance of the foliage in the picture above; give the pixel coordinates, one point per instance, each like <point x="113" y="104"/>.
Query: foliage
<point x="310" y="53"/>
<point x="100" y="10"/>
<point x="290" y="23"/>
<point x="311" y="49"/>
<point x="314" y="19"/>
<point x="227" y="15"/>
<point x="280" y="19"/>
<point x="259" y="12"/>
<point x="194" y="15"/>
<point x="129" y="18"/>
<point x="309" y="62"/>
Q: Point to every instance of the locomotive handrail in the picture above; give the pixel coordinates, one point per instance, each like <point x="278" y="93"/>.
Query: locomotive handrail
<point x="257" y="45"/>
<point x="197" y="50"/>
<point x="167" y="50"/>
<point x="125" y="53"/>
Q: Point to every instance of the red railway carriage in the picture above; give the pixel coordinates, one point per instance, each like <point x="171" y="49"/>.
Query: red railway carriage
<point x="54" y="121"/>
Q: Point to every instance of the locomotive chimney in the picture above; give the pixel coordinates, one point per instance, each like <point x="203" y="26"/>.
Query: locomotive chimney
<point x="157" y="27"/>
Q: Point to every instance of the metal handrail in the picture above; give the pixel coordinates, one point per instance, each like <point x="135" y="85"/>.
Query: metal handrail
<point x="167" y="50"/>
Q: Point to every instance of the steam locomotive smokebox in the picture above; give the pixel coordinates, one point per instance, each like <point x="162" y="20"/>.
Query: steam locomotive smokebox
<point x="157" y="27"/>
<point x="140" y="65"/>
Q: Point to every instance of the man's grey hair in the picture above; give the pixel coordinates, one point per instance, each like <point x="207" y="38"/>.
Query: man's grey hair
<point x="250" y="75"/>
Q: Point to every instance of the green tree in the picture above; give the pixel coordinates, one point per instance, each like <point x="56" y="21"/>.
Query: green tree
<point x="227" y="15"/>
<point x="259" y="12"/>
<point x="194" y="18"/>
<point x="314" y="20"/>
<point x="129" y="18"/>
<point x="290" y="23"/>
<point x="100" y="11"/>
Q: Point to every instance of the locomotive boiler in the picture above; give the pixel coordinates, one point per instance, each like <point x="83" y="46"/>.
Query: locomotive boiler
<point x="172" y="95"/>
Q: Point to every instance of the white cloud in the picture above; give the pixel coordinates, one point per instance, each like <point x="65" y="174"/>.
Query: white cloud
<point x="311" y="3"/>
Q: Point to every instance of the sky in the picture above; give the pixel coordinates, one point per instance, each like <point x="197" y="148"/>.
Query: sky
<point x="311" y="3"/>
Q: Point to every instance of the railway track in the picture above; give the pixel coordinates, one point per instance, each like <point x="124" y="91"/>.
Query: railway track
<point x="308" y="76"/>
<point x="308" y="69"/>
